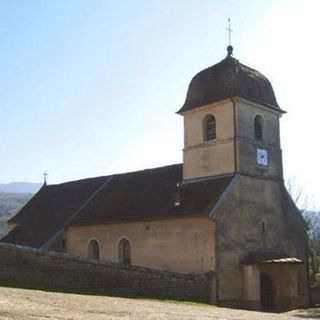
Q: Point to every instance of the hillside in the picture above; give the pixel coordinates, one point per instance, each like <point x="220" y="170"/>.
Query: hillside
<point x="20" y="187"/>
<point x="10" y="204"/>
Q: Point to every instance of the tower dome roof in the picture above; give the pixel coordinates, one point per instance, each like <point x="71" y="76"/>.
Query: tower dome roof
<point x="227" y="79"/>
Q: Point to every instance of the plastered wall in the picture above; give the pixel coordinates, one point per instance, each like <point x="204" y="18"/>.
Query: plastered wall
<point x="181" y="245"/>
<point x="235" y="148"/>
<point x="251" y="202"/>
<point x="209" y="158"/>
<point x="247" y="145"/>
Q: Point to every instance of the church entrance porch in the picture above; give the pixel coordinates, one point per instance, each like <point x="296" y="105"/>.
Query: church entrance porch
<point x="272" y="284"/>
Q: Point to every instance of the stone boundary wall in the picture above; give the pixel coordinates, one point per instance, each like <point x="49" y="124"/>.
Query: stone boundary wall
<point x="315" y="295"/>
<point x="31" y="268"/>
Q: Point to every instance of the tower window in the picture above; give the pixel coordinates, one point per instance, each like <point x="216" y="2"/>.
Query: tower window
<point x="209" y="128"/>
<point x="94" y="250"/>
<point x="258" y="134"/>
<point x="124" y="252"/>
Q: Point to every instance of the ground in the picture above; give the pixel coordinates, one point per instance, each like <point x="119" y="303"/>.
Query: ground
<point x="32" y="304"/>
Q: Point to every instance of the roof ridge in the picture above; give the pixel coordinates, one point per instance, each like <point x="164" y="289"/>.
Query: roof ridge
<point x="148" y="169"/>
<point x="74" y="181"/>
<point x="111" y="175"/>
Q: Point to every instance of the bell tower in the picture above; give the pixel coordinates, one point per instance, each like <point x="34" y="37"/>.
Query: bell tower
<point x="231" y="123"/>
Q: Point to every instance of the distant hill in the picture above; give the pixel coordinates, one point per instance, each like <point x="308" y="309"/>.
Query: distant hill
<point x="10" y="204"/>
<point x="20" y="187"/>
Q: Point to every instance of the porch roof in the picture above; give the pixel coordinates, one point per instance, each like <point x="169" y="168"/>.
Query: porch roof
<point x="270" y="257"/>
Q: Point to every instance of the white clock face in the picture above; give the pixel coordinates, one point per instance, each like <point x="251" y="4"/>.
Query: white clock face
<point x="262" y="157"/>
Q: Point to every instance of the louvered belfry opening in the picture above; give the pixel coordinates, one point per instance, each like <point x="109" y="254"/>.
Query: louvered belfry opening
<point x="258" y="134"/>
<point x="209" y="128"/>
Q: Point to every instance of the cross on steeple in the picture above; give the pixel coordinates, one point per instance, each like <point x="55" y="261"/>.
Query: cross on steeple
<point x="45" y="175"/>
<point x="229" y="31"/>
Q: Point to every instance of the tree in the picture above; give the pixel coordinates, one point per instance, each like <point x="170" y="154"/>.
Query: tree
<point x="311" y="216"/>
<point x="312" y="219"/>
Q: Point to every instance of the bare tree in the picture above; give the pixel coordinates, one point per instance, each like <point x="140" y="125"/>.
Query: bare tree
<point x="311" y="215"/>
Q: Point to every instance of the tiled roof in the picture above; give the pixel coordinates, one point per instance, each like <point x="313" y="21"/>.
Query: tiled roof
<point x="151" y="194"/>
<point x="227" y="79"/>
<point x="46" y="213"/>
<point x="135" y="196"/>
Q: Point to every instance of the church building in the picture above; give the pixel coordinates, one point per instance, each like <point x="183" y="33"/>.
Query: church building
<point x="224" y="212"/>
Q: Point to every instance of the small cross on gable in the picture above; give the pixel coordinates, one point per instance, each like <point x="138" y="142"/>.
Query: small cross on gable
<point x="229" y="31"/>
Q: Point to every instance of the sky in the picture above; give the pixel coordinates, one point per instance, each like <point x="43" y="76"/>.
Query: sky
<point x="91" y="87"/>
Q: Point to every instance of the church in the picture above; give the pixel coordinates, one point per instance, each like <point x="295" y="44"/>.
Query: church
<point x="223" y="212"/>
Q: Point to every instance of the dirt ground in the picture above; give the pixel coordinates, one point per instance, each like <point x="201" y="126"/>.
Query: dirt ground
<point x="32" y="304"/>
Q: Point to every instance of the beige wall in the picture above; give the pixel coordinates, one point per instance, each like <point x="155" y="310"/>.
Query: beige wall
<point x="209" y="160"/>
<point x="221" y="156"/>
<point x="181" y="245"/>
<point x="211" y="157"/>
<point x="223" y="112"/>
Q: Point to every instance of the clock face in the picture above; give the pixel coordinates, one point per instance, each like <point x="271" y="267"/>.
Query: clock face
<point x="262" y="157"/>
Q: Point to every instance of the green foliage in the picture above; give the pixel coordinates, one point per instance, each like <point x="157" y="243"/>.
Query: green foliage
<point x="10" y="204"/>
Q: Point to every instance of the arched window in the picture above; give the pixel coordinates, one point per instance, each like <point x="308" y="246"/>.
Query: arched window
<point x="94" y="249"/>
<point x="209" y="128"/>
<point x="124" y="252"/>
<point x="258" y="134"/>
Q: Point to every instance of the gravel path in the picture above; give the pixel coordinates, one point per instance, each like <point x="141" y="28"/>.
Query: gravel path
<point x="32" y="304"/>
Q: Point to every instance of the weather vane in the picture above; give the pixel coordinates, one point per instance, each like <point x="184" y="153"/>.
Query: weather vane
<point x="45" y="175"/>
<point x="229" y="30"/>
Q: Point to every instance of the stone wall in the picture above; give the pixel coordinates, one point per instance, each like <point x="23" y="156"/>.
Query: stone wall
<point x="31" y="268"/>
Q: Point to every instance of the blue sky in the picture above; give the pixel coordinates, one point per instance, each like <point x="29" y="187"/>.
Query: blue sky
<point x="90" y="88"/>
